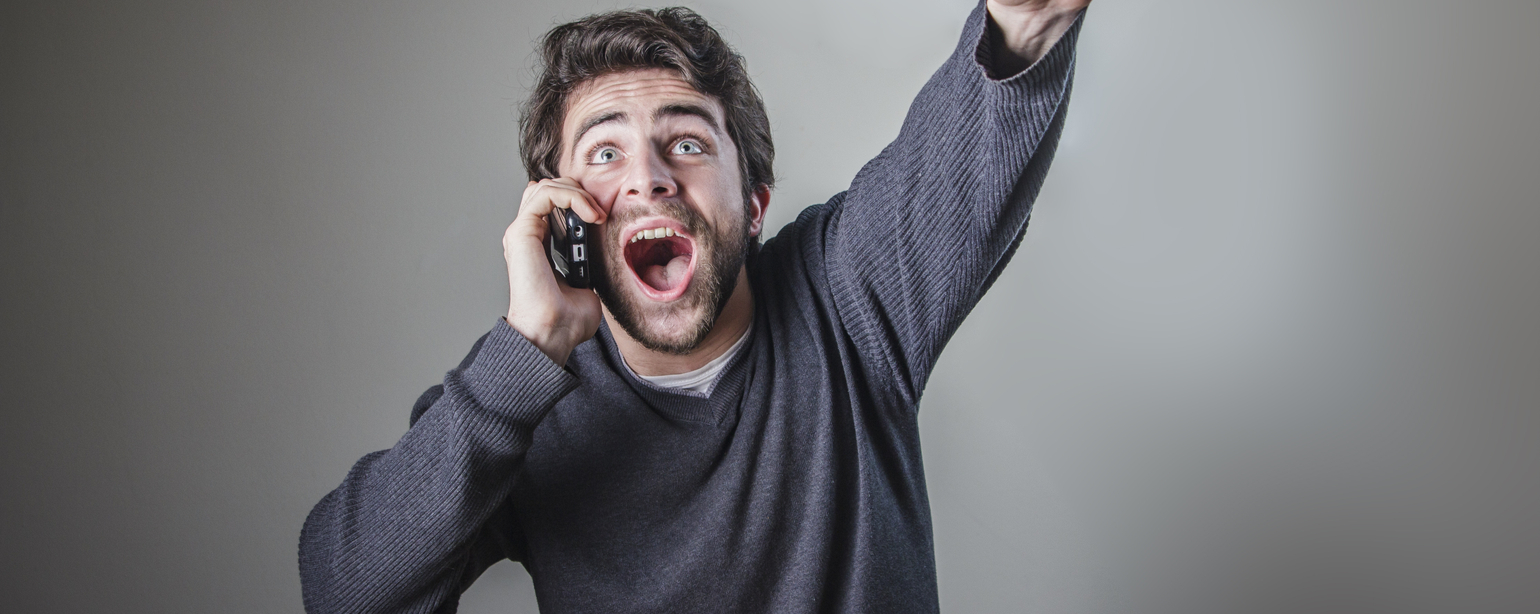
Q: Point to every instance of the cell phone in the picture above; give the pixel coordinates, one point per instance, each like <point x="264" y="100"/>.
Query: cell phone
<point x="566" y="243"/>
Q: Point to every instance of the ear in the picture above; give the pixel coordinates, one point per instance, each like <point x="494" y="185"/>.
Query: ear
<point x="758" y="203"/>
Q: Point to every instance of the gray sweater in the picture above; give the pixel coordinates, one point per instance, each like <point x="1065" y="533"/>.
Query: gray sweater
<point x="797" y="485"/>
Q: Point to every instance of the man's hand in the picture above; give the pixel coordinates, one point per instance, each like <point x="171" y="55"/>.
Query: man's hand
<point x="1027" y="29"/>
<point x="552" y="315"/>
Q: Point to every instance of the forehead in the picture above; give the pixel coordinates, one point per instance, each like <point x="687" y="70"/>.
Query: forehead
<point x="636" y="93"/>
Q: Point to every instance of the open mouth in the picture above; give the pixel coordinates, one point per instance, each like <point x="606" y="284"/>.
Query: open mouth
<point x="662" y="260"/>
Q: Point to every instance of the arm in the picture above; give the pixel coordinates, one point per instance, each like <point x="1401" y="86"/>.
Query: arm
<point x="927" y="225"/>
<point x="407" y="530"/>
<point x="409" y="527"/>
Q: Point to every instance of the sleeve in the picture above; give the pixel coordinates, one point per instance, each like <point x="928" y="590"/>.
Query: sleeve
<point x="927" y="226"/>
<point x="408" y="528"/>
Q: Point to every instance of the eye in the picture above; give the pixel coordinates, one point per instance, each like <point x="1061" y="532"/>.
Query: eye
<point x="688" y="147"/>
<point x="604" y="155"/>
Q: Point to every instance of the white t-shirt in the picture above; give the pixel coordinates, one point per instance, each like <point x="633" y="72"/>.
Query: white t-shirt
<point x="701" y="380"/>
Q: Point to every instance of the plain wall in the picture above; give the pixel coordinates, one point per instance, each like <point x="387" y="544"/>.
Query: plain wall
<point x="1270" y="345"/>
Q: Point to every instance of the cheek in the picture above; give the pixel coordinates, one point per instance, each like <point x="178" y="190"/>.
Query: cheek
<point x="604" y="186"/>
<point x="716" y="191"/>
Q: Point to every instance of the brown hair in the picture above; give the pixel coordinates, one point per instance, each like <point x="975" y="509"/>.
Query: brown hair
<point x="676" y="39"/>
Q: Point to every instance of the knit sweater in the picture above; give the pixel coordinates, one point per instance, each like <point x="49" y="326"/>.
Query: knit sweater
<point x="796" y="486"/>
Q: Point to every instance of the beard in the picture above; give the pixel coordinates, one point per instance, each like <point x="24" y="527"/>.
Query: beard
<point x="679" y="326"/>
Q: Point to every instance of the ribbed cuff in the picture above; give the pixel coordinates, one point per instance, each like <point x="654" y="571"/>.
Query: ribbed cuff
<point x="1025" y="103"/>
<point x="1053" y="64"/>
<point x="511" y="376"/>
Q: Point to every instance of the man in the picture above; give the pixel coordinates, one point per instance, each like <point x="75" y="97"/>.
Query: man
<point x="721" y="427"/>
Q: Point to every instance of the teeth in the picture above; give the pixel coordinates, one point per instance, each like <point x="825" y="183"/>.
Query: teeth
<point x="654" y="233"/>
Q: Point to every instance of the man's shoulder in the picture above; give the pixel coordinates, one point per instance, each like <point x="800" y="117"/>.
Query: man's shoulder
<point x="790" y="272"/>
<point x="799" y="243"/>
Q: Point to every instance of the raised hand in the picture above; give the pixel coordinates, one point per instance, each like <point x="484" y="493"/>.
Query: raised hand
<point x="552" y="315"/>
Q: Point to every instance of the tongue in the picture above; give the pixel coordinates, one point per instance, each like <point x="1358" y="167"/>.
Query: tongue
<point x="664" y="277"/>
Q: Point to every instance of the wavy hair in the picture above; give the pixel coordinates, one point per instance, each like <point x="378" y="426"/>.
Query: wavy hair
<point x="675" y="39"/>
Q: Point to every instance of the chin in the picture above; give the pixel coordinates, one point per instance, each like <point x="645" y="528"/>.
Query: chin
<point x="672" y="329"/>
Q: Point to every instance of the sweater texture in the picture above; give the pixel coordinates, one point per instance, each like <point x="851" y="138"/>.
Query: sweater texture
<point x="796" y="485"/>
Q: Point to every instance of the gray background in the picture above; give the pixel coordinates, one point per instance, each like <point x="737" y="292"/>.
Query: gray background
<point x="1271" y="345"/>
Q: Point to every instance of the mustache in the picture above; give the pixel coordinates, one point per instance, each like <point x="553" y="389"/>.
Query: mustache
<point x="674" y="209"/>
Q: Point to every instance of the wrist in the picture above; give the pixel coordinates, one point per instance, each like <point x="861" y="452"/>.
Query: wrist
<point x="1021" y="36"/>
<point x="544" y="338"/>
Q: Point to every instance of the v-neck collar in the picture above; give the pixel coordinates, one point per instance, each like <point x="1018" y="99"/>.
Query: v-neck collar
<point x="685" y="405"/>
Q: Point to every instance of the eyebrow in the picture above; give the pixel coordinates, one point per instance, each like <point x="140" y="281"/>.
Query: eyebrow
<point x="685" y="109"/>
<point x="590" y="123"/>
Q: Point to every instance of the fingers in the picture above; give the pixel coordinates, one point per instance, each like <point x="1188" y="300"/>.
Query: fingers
<point x="525" y="236"/>
<point x="541" y="306"/>
<point x="541" y="197"/>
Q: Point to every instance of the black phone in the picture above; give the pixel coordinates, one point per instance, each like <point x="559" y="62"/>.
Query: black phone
<point x="566" y="241"/>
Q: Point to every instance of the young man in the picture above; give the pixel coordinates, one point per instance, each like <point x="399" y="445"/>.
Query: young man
<point x="720" y="427"/>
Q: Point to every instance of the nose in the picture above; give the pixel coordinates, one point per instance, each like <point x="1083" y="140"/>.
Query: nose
<point x="649" y="177"/>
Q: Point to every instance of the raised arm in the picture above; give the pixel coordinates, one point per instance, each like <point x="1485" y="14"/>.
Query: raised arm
<point x="927" y="225"/>
<point x="408" y="528"/>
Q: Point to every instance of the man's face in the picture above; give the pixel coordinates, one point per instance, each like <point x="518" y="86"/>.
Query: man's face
<point x="656" y="155"/>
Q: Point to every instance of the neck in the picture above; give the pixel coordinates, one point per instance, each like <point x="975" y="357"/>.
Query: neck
<point x="736" y="318"/>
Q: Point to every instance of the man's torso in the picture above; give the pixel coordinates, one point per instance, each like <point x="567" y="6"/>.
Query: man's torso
<point x="793" y="487"/>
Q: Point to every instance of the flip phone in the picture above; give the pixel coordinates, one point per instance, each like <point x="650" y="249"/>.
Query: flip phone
<point x="566" y="242"/>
